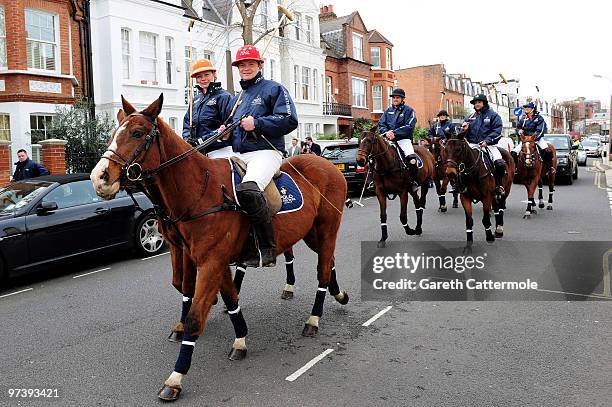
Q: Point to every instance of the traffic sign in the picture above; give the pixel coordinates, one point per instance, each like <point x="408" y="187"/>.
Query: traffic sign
<point x="518" y="111"/>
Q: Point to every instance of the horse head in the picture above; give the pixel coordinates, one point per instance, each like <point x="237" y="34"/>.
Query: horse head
<point x="367" y="146"/>
<point x="129" y="149"/>
<point x="528" y="151"/>
<point x="456" y="149"/>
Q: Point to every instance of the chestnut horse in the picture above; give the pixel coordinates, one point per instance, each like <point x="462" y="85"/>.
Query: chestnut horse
<point x="194" y="192"/>
<point x="466" y="167"/>
<point x="529" y="170"/>
<point x="436" y="147"/>
<point x="391" y="178"/>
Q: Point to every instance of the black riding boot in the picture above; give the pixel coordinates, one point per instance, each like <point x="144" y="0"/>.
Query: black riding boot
<point x="546" y="155"/>
<point x="253" y="202"/>
<point x="514" y="155"/>
<point x="413" y="170"/>
<point x="498" y="173"/>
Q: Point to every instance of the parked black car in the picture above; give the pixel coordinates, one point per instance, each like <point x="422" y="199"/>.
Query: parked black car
<point x="344" y="157"/>
<point x="47" y="219"/>
<point x="567" y="156"/>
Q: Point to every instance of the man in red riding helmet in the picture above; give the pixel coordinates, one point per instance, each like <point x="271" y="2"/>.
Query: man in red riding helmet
<point x="270" y="115"/>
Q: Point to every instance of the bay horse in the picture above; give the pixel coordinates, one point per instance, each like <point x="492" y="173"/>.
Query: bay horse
<point x="391" y="178"/>
<point x="466" y="167"/>
<point x="549" y="172"/>
<point x="529" y="170"/>
<point x="194" y="194"/>
<point x="441" y="181"/>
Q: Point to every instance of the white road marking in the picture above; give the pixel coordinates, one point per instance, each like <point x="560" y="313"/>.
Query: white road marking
<point x="375" y="317"/>
<point x="16" y="292"/>
<point x="157" y="255"/>
<point x="91" y="272"/>
<point x="307" y="366"/>
<point x="601" y="296"/>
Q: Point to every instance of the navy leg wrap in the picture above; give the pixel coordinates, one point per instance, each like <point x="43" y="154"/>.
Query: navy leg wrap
<point x="289" y="267"/>
<point x="317" y="308"/>
<point x="240" y="326"/>
<point x="239" y="276"/>
<point x="334" y="289"/>
<point x="183" y="363"/>
<point x="186" y="306"/>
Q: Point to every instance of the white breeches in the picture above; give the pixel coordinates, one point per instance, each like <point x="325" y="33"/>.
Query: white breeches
<point x="406" y="146"/>
<point x="224" y="152"/>
<point x="261" y="166"/>
<point x="542" y="143"/>
<point x="493" y="151"/>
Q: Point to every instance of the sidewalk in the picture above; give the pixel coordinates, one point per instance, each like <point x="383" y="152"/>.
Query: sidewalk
<point x="605" y="166"/>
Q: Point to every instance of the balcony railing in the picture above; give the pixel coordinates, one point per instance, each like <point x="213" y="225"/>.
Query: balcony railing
<point x="336" y="109"/>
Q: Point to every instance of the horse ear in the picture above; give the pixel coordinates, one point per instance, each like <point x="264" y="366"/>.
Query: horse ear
<point x="120" y="116"/>
<point x="128" y="109"/>
<point x="154" y="109"/>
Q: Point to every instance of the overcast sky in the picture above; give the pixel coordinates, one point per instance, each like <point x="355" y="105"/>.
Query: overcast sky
<point x="557" y="45"/>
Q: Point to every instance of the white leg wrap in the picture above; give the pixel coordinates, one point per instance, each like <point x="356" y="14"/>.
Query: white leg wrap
<point x="312" y="320"/>
<point x="289" y="287"/>
<point x="174" y="379"/>
<point x="239" y="343"/>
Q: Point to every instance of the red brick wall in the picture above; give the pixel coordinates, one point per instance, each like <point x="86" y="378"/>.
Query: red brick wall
<point x="53" y="156"/>
<point x="423" y="85"/>
<point x="5" y="163"/>
<point x="17" y="85"/>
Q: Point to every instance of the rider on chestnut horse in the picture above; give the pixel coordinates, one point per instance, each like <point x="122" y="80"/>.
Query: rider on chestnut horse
<point x="397" y="124"/>
<point x="269" y="115"/>
<point x="532" y="124"/>
<point x="484" y="128"/>
<point x="441" y="127"/>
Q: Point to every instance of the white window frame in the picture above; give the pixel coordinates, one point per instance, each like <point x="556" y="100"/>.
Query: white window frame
<point x="389" y="98"/>
<point x="263" y="14"/>
<point x="375" y="63"/>
<point x="3" y="54"/>
<point x="388" y="62"/>
<point x="329" y="89"/>
<point x="355" y="102"/>
<point x="5" y="130"/>
<point x="155" y="57"/>
<point x="296" y="82"/>
<point x="169" y="59"/>
<point x="308" y="31"/>
<point x="173" y="122"/>
<point x="208" y="54"/>
<point x="306" y="95"/>
<point x="55" y="43"/>
<point x="357" y="51"/>
<point x="376" y="98"/>
<point x="315" y="85"/>
<point x="126" y="58"/>
<point x="298" y="25"/>
<point x="308" y="129"/>
<point x="45" y="129"/>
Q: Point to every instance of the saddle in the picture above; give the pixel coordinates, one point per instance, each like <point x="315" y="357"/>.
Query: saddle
<point x="271" y="193"/>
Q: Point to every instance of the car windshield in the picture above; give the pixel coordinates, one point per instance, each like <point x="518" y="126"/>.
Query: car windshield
<point x="560" y="143"/>
<point x="18" y="195"/>
<point x="590" y="143"/>
<point x="339" y="152"/>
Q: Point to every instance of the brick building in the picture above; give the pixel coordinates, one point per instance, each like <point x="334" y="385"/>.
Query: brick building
<point x="45" y="66"/>
<point x="358" y="68"/>
<point x="424" y="86"/>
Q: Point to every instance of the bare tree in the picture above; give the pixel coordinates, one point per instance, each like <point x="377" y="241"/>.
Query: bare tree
<point x="247" y="11"/>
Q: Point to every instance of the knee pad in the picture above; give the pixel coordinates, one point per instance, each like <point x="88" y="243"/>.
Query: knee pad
<point x="249" y="195"/>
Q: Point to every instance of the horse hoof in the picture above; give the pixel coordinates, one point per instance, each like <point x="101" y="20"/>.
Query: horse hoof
<point x="549" y="208"/>
<point x="237" y="354"/>
<point x="410" y="232"/>
<point x="467" y="249"/>
<point x="499" y="235"/>
<point x="527" y="216"/>
<point x="310" y="330"/>
<point x="345" y="298"/>
<point x="443" y="209"/>
<point x="169" y="393"/>
<point x="418" y="231"/>
<point x="287" y="295"/>
<point x="175" y="337"/>
<point x="541" y="205"/>
<point x="381" y="244"/>
<point x="490" y="239"/>
<point x="455" y="205"/>
<point x="533" y="211"/>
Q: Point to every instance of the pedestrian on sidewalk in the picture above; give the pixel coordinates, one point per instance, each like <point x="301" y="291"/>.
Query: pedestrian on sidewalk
<point x="26" y="168"/>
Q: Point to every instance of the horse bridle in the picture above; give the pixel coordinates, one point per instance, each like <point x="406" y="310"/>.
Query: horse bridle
<point x="527" y="156"/>
<point x="371" y="157"/>
<point x="461" y="166"/>
<point x="131" y="169"/>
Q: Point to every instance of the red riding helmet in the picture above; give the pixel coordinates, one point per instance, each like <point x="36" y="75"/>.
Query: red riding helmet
<point x="247" y="52"/>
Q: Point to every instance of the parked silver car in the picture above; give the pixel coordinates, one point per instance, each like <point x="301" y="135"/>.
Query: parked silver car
<point x="592" y="147"/>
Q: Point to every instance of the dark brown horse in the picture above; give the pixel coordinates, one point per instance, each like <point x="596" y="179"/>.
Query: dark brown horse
<point x="194" y="192"/>
<point x="441" y="181"/>
<point x="549" y="172"/>
<point x="391" y="179"/>
<point x="466" y="167"/>
<point x="529" y="170"/>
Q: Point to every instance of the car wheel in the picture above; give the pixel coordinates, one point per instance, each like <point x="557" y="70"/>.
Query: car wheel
<point x="149" y="240"/>
<point x="569" y="179"/>
<point x="575" y="175"/>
